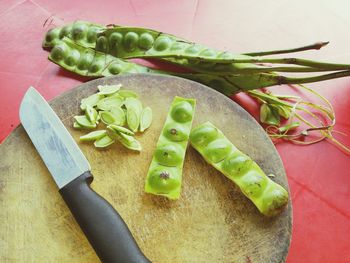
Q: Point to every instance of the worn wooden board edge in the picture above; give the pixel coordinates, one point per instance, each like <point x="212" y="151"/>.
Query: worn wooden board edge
<point x="56" y="106"/>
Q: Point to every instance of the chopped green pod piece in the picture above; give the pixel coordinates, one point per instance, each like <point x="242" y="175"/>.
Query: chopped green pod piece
<point x="119" y="116"/>
<point x="91" y="101"/>
<point x="146" y="119"/>
<point x="164" y="175"/>
<point x="132" y="119"/>
<point x="85" y="122"/>
<point x="91" y="114"/>
<point x="108" y="117"/>
<point x="108" y="103"/>
<point x="269" y="197"/>
<point x="129" y="142"/>
<point x="92" y="136"/>
<point x="202" y="135"/>
<point x="77" y="125"/>
<point x="103" y="142"/>
<point x="108" y="89"/>
<point x="121" y="129"/>
<point x="134" y="103"/>
<point x="127" y="93"/>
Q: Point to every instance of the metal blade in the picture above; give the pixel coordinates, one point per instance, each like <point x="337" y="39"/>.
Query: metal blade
<point x="55" y="145"/>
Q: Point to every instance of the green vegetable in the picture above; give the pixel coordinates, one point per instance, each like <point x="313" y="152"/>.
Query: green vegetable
<point x="92" y="136"/>
<point x="84" y="122"/>
<point x="91" y="114"/>
<point x="121" y="129"/>
<point x="103" y="142"/>
<point x="108" y="117"/>
<point x="146" y="119"/>
<point x="108" y="89"/>
<point x="119" y="116"/>
<point x="127" y="93"/>
<point x="91" y="101"/>
<point x="128" y="141"/>
<point x="269" y="197"/>
<point x="110" y="102"/>
<point x="164" y="176"/>
<point x="85" y="33"/>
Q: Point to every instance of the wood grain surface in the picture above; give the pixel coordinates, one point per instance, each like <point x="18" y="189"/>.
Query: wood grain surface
<point x="211" y="222"/>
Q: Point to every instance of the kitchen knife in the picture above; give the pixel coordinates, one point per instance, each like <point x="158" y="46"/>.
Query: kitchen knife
<point x="104" y="228"/>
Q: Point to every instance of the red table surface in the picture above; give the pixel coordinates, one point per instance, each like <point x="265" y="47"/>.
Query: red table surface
<point x="318" y="175"/>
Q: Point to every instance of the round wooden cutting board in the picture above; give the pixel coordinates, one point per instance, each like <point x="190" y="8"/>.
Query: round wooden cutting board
<point x="211" y="222"/>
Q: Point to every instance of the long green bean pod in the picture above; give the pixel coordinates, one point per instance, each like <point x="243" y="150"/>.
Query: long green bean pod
<point x="82" y="32"/>
<point x="269" y="197"/>
<point x="164" y="176"/>
<point x="133" y="42"/>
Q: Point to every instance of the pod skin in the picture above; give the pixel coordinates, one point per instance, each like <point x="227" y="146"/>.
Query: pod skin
<point x="164" y="176"/>
<point x="269" y="197"/>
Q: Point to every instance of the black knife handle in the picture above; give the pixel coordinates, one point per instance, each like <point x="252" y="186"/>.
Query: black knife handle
<point x="104" y="228"/>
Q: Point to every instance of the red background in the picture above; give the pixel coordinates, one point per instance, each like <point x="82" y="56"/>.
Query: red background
<point x="318" y="175"/>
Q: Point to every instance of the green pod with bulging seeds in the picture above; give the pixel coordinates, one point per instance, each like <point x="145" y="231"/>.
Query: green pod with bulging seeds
<point x="164" y="176"/>
<point x="269" y="197"/>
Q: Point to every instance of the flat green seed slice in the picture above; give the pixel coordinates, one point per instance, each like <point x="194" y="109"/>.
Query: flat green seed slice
<point x="108" y="89"/>
<point x="91" y="114"/>
<point x="84" y="122"/>
<point x="133" y="103"/>
<point x="132" y="119"/>
<point x="107" y="117"/>
<point x="120" y="129"/>
<point x="119" y="115"/>
<point x="77" y="125"/>
<point x="129" y="142"/>
<point x="127" y="93"/>
<point x="91" y="100"/>
<point x="92" y="136"/>
<point x="103" y="142"/>
<point x="146" y="119"/>
<point x="109" y="102"/>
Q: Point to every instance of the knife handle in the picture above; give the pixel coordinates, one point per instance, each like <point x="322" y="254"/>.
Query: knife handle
<point x="102" y="225"/>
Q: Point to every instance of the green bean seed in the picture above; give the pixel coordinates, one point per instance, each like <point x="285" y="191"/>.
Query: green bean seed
<point x="175" y="132"/>
<point x="164" y="175"/>
<point x="108" y="89"/>
<point x="59" y="51"/>
<point x="103" y="142"/>
<point x="146" y="119"/>
<point x="164" y="179"/>
<point x="146" y="41"/>
<point x="78" y="30"/>
<point x="182" y="112"/>
<point x="92" y="136"/>
<point x="130" y="41"/>
<point x="73" y="58"/>
<point x="84" y="122"/>
<point x="269" y="197"/>
<point x="203" y="135"/>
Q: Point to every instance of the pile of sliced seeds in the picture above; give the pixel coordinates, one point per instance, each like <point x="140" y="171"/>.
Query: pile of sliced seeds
<point x="115" y="108"/>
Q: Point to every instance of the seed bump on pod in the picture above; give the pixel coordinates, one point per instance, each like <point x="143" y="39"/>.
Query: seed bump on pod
<point x="65" y="31"/>
<point x="146" y="41"/>
<point x="130" y="41"/>
<point x="91" y="35"/>
<point x="59" y="51"/>
<point x="79" y="31"/>
<point x="194" y="49"/>
<point x="162" y="43"/>
<point x="101" y="44"/>
<point x="72" y="58"/>
<point x="85" y="61"/>
<point x="208" y="53"/>
<point x="178" y="46"/>
<point x="52" y="34"/>
<point x="115" y="68"/>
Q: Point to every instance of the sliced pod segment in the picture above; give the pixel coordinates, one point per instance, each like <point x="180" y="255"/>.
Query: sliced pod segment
<point x="164" y="176"/>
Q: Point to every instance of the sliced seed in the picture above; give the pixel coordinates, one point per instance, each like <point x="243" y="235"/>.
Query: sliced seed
<point x="133" y="103"/>
<point x="92" y="136"/>
<point x="129" y="142"/>
<point x="110" y="102"/>
<point x="146" y="119"/>
<point x="103" y="142"/>
<point x="127" y="93"/>
<point x="121" y="129"/>
<point x="132" y="119"/>
<point x="107" y="117"/>
<point x="85" y="122"/>
<point x="91" y="101"/>
<point x="108" y="89"/>
<point x="119" y="115"/>
<point x="91" y="114"/>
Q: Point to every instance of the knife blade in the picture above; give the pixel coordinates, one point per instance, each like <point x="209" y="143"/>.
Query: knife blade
<point x="104" y="228"/>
